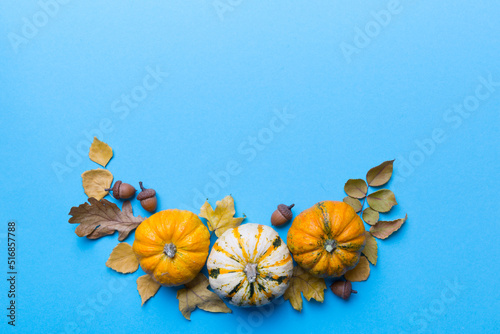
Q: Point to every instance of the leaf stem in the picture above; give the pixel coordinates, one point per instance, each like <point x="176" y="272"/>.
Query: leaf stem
<point x="363" y="204"/>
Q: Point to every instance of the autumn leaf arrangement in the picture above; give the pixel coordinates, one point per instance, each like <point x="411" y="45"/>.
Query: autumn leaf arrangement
<point x="379" y="201"/>
<point x="100" y="217"/>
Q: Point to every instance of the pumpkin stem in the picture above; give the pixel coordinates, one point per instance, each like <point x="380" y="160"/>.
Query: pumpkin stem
<point x="330" y="245"/>
<point x="170" y="250"/>
<point x="251" y="272"/>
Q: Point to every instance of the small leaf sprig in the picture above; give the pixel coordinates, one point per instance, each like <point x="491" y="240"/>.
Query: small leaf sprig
<point x="379" y="201"/>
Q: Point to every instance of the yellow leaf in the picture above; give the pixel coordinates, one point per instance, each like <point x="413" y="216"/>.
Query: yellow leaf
<point x="222" y="219"/>
<point x="308" y="285"/>
<point x="122" y="259"/>
<point x="95" y="181"/>
<point x="371" y="249"/>
<point x="360" y="273"/>
<point x="196" y="295"/>
<point x="100" y="152"/>
<point x="147" y="287"/>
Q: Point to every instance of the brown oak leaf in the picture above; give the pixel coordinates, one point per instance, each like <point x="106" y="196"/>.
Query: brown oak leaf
<point x="101" y="218"/>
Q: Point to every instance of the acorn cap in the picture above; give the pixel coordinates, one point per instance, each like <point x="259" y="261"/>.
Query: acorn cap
<point x="342" y="289"/>
<point x="285" y="211"/>
<point x="116" y="187"/>
<point x="145" y="193"/>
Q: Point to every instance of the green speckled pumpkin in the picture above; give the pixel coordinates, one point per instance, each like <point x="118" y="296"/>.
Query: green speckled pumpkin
<point x="250" y="265"/>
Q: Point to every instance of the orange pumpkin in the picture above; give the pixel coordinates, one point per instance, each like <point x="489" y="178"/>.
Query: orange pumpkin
<point x="327" y="239"/>
<point x="172" y="246"/>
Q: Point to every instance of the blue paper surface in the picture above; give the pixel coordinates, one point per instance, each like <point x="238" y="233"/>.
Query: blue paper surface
<point x="273" y="103"/>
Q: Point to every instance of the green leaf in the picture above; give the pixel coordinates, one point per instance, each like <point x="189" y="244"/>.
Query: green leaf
<point x="384" y="229"/>
<point x="381" y="174"/>
<point x="382" y="200"/>
<point x="356" y="188"/>
<point x="370" y="216"/>
<point x="354" y="203"/>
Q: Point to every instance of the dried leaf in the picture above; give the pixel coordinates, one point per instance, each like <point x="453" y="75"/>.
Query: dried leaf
<point x="310" y="286"/>
<point x="370" y="216"/>
<point x="101" y="218"/>
<point x="381" y="174"/>
<point x="371" y="249"/>
<point x="356" y="188"/>
<point x="95" y="181"/>
<point x="147" y="287"/>
<point x="360" y="273"/>
<point x="354" y="203"/>
<point x="384" y="229"/>
<point x="222" y="219"/>
<point x="123" y="259"/>
<point x="196" y="294"/>
<point x="382" y="200"/>
<point x="100" y="152"/>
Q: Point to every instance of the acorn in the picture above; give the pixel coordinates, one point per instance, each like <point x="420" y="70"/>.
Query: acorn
<point x="122" y="190"/>
<point x="147" y="198"/>
<point x="342" y="289"/>
<point x="282" y="215"/>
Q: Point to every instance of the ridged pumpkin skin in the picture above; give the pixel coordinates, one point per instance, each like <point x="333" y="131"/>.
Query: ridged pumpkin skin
<point x="172" y="246"/>
<point x="250" y="265"/>
<point x="327" y="239"/>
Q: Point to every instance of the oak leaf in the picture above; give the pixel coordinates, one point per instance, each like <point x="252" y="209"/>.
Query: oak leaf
<point x="381" y="174"/>
<point x="360" y="273"/>
<point x="196" y="295"/>
<point x="382" y="200"/>
<point x="384" y="229"/>
<point x="100" y="152"/>
<point x="308" y="285"/>
<point x="356" y="188"/>
<point x="123" y="259"/>
<point x="147" y="287"/>
<point x="95" y="181"/>
<point x="354" y="203"/>
<point x="222" y="218"/>
<point x="371" y="249"/>
<point x="370" y="216"/>
<point x="101" y="218"/>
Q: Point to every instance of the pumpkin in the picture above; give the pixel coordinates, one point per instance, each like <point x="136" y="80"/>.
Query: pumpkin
<point x="250" y="265"/>
<point x="327" y="239"/>
<point x="172" y="246"/>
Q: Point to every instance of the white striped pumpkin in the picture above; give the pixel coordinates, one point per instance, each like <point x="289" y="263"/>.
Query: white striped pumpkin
<point x="250" y="265"/>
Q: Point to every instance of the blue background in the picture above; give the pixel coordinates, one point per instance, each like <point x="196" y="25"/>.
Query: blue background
<point x="227" y="74"/>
